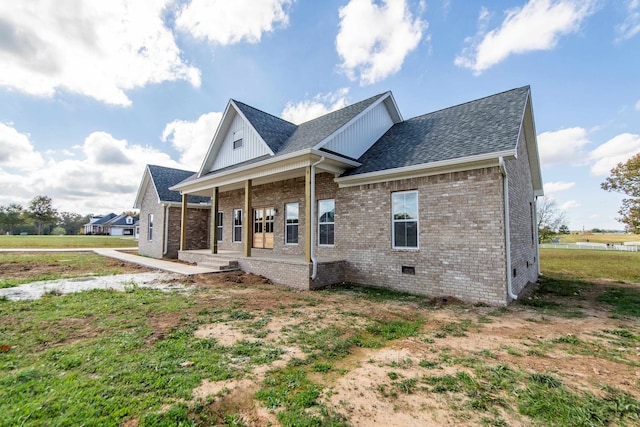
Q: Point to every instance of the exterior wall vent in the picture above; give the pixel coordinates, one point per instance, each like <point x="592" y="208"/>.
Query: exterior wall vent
<point x="408" y="270"/>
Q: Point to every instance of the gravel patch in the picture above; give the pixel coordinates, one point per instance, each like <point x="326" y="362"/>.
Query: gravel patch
<point x="118" y="282"/>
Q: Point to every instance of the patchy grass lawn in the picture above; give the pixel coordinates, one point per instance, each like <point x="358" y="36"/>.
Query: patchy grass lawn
<point x="240" y="351"/>
<point x="24" y="267"/>
<point x="47" y="242"/>
<point x="599" y="238"/>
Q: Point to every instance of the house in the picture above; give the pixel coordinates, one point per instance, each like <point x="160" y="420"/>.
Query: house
<point x="442" y="204"/>
<point x="161" y="213"/>
<point x="121" y="225"/>
<point x="96" y="224"/>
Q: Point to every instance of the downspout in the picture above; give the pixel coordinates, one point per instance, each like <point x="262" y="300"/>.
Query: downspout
<point x="314" y="261"/>
<point x="535" y="227"/>
<point x="507" y="231"/>
<point x="166" y="230"/>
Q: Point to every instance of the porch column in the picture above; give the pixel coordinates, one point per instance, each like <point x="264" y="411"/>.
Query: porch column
<point x="183" y="224"/>
<point x="214" y="221"/>
<point x="307" y="214"/>
<point x="248" y="219"/>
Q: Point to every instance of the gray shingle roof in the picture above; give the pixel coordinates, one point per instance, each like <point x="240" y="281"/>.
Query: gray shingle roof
<point x="164" y="177"/>
<point x="314" y="131"/>
<point x="274" y="130"/>
<point x="483" y="126"/>
<point x="104" y="219"/>
<point x="284" y="137"/>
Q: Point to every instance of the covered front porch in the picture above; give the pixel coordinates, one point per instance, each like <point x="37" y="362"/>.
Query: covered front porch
<point x="290" y="270"/>
<point x="265" y="216"/>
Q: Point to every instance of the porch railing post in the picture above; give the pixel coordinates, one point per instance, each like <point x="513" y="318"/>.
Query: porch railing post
<point x="214" y="221"/>
<point x="183" y="223"/>
<point x="248" y="219"/>
<point x="307" y="214"/>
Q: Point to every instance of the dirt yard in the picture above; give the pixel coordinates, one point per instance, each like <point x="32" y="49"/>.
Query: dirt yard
<point x="576" y="341"/>
<point x="388" y="359"/>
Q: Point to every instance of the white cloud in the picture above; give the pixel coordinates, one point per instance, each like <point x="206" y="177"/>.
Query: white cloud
<point x="227" y="22"/>
<point x="98" y="49"/>
<point x="16" y="151"/>
<point x="618" y="149"/>
<point x="556" y="187"/>
<point x="102" y="177"/>
<point x="192" y="139"/>
<point x="315" y="107"/>
<point x="563" y="146"/>
<point x="374" y="40"/>
<point x="538" y="25"/>
<point x="571" y="204"/>
<point x="631" y="25"/>
<point x="638" y="105"/>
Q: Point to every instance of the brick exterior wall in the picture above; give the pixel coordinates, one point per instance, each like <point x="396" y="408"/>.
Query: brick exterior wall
<point x="197" y="231"/>
<point x="524" y="247"/>
<point x="461" y="250"/>
<point x="151" y="248"/>
<point x="461" y="236"/>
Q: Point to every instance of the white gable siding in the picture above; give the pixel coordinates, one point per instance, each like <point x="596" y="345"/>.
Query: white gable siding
<point x="361" y="134"/>
<point x="252" y="145"/>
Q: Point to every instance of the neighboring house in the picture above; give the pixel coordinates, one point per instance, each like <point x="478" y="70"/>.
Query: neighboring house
<point x="96" y="224"/>
<point x="121" y="225"/>
<point x="161" y="210"/>
<point x="442" y="204"/>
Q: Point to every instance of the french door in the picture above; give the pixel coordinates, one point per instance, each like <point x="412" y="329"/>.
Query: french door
<point x="263" y="227"/>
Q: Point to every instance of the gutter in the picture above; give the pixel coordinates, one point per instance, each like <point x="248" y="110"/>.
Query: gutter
<point x="314" y="261"/>
<point x="166" y="229"/>
<point x="507" y="231"/>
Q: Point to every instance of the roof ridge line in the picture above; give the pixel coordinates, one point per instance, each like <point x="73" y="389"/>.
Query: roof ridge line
<point x="469" y="102"/>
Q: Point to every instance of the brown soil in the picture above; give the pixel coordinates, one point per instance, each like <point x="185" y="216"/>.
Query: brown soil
<point x="34" y="269"/>
<point x="521" y="337"/>
<point x="359" y="386"/>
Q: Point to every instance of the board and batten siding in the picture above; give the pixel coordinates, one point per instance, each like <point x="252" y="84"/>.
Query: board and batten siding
<point x="252" y="145"/>
<point x="362" y="133"/>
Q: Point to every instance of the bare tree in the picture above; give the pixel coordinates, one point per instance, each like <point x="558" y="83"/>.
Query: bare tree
<point x="550" y="218"/>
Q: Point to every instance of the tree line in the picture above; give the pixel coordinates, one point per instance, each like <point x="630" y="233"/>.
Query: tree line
<point x="39" y="217"/>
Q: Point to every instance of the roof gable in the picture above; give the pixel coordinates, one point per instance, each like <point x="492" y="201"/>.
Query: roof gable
<point x="481" y="127"/>
<point x="162" y="178"/>
<point x="221" y="151"/>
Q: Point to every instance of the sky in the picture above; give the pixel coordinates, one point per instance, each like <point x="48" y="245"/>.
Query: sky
<point x="92" y="91"/>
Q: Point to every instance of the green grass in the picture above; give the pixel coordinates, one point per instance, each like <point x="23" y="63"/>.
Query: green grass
<point x="92" y="357"/>
<point x="65" y="264"/>
<point x="46" y="242"/>
<point x="624" y="301"/>
<point x="591" y="265"/>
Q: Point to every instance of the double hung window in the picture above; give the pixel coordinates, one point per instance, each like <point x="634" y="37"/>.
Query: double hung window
<point x="219" y="223"/>
<point x="326" y="223"/>
<point x="237" y="225"/>
<point x="150" y="232"/>
<point x="405" y="219"/>
<point x="291" y="225"/>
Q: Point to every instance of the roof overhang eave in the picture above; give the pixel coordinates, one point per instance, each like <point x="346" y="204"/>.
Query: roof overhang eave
<point x="426" y="169"/>
<point x="271" y="166"/>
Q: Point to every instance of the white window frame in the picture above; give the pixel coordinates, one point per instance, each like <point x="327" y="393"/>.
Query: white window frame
<point x="219" y="224"/>
<point x="296" y="224"/>
<point x="235" y="226"/>
<point x="150" y="227"/>
<point x="237" y="140"/>
<point x="416" y="220"/>
<point x="327" y="223"/>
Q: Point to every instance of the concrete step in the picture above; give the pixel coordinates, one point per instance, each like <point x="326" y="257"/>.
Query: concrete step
<point x="220" y="264"/>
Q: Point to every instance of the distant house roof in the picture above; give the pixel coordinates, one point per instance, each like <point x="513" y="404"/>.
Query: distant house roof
<point x="164" y="177"/>
<point x="104" y="219"/>
<point x="484" y="126"/>
<point x="121" y="221"/>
